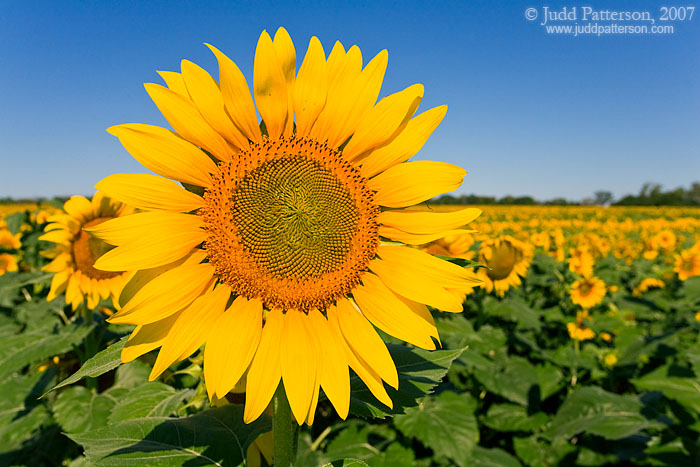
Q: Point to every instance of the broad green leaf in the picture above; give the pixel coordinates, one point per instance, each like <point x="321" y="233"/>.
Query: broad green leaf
<point x="347" y="463"/>
<point x="514" y="378"/>
<point x="494" y="457"/>
<point x="456" y="332"/>
<point x="77" y="409"/>
<point x="15" y="221"/>
<point x="38" y="313"/>
<point x="101" y="363"/>
<point x="39" y="343"/>
<point x="691" y="289"/>
<point x="215" y="437"/>
<point x="444" y="423"/>
<point x="11" y="282"/>
<point x="550" y="379"/>
<point x="21" y="414"/>
<point x="514" y="309"/>
<point x="511" y="417"/>
<point x="149" y="400"/>
<point x="675" y="383"/>
<point x="537" y="453"/>
<point x="419" y="372"/>
<point x="593" y="410"/>
<point x="353" y="442"/>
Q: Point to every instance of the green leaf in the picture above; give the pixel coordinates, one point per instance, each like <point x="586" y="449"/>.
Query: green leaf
<point x="347" y="463"/>
<point x="37" y="344"/>
<point x="482" y="457"/>
<point x="514" y="309"/>
<point x="149" y="400"/>
<point x="77" y="409"/>
<point x="11" y="282"/>
<point x="514" y="378"/>
<point x="444" y="423"/>
<point x="602" y="413"/>
<point x="537" y="453"/>
<point x="691" y="289"/>
<point x="457" y="332"/>
<point x="676" y="383"/>
<point x="15" y="221"/>
<point x="20" y="413"/>
<point x="419" y="372"/>
<point x="101" y="363"/>
<point x="215" y="437"/>
<point x="511" y="417"/>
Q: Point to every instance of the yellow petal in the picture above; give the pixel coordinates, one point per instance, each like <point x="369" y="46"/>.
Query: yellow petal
<point x="166" y="294"/>
<point x="190" y="329"/>
<point x="417" y="239"/>
<point x="147" y="337"/>
<point x="145" y="191"/>
<point x="365" y="342"/>
<point x="298" y="363"/>
<point x="265" y="370"/>
<point x="384" y="121"/>
<point x="384" y="309"/>
<point x="335" y="377"/>
<point x="447" y="274"/>
<point x="311" y="87"/>
<point x="414" y="182"/>
<point x="58" y="284"/>
<point x="422" y="222"/>
<point x="79" y="207"/>
<point x="175" y="82"/>
<point x="165" y="153"/>
<point x="138" y="279"/>
<point x="186" y="120"/>
<point x="59" y="263"/>
<point x="147" y="240"/>
<point x="237" y="98"/>
<point x="411" y="284"/>
<point x="60" y="236"/>
<point x="406" y="144"/>
<point x="288" y="60"/>
<point x="231" y="345"/>
<point x="207" y="97"/>
<point x="351" y="93"/>
<point x="370" y="377"/>
<point x="270" y="87"/>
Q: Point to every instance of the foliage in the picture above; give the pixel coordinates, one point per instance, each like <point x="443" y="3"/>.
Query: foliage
<point x="509" y="386"/>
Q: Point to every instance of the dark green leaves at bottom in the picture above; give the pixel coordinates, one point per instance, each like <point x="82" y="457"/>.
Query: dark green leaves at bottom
<point x="445" y="423"/>
<point x="214" y="437"/>
<point x="602" y="413"/>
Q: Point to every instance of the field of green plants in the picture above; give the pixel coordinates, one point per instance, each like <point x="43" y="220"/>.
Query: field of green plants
<point x="528" y="378"/>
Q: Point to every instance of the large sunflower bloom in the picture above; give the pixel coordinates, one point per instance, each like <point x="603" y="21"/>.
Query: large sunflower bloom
<point x="76" y="251"/>
<point x="274" y="256"/>
<point x="587" y="292"/>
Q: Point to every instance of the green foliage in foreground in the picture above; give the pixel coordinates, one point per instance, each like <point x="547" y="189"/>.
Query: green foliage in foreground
<point x="508" y="388"/>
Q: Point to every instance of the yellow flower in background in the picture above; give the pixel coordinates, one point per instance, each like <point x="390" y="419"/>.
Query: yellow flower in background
<point x="697" y="316"/>
<point x="606" y="336"/>
<point x="507" y="260"/>
<point x="581" y="261"/>
<point x="666" y="240"/>
<point x="647" y="284"/>
<point x="8" y="263"/>
<point x="9" y="241"/>
<point x="274" y="257"/>
<point x="541" y="239"/>
<point x="687" y="263"/>
<point x="579" y="332"/>
<point x="455" y="245"/>
<point x="76" y="251"/>
<point x="587" y="292"/>
<point x="610" y="359"/>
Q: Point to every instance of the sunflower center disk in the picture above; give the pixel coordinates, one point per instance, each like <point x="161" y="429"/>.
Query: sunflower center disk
<point x="503" y="260"/>
<point x="87" y="249"/>
<point x="291" y="223"/>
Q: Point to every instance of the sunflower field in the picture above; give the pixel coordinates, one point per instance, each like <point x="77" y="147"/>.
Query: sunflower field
<point x="578" y="345"/>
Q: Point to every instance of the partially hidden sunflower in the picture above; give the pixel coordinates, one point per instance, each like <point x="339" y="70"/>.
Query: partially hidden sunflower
<point x="290" y="243"/>
<point x="507" y="259"/>
<point x="75" y="253"/>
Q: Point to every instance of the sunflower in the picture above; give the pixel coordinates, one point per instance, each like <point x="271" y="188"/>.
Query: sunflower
<point x="687" y="263"/>
<point x="76" y="251"/>
<point x="507" y="260"/>
<point x="581" y="261"/>
<point x="587" y="292"/>
<point x="646" y="284"/>
<point x="283" y="253"/>
<point x="9" y="241"/>
<point x="8" y="263"/>
<point x="579" y="331"/>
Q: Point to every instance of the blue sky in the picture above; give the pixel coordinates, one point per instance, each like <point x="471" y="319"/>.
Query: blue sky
<point x="529" y="112"/>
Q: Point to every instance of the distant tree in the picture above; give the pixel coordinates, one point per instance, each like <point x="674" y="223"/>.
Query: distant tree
<point x="602" y="198"/>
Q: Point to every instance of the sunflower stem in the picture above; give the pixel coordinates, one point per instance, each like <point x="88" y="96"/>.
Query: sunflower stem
<point x="284" y="429"/>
